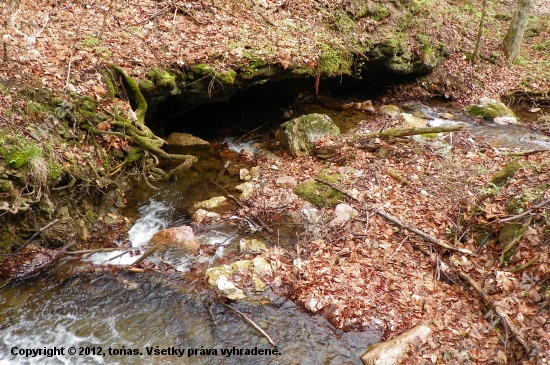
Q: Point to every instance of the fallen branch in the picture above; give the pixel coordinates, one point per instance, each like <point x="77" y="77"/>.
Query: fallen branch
<point x="423" y="235"/>
<point x="403" y="132"/>
<point x="337" y="189"/>
<point x="526" y="213"/>
<point x="36" y="234"/>
<point x="252" y="323"/>
<point x="526" y="265"/>
<point x="108" y="249"/>
<point x="146" y="254"/>
<point x="499" y="311"/>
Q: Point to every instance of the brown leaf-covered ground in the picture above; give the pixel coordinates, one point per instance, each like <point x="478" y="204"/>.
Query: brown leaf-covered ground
<point x="368" y="273"/>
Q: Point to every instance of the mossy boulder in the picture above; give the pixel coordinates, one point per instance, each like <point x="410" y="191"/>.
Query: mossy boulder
<point x="506" y="173"/>
<point x="489" y="109"/>
<point x="320" y="194"/>
<point x="509" y="237"/>
<point x="299" y="135"/>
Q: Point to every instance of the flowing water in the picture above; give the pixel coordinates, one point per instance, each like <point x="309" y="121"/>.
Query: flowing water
<point x="100" y="314"/>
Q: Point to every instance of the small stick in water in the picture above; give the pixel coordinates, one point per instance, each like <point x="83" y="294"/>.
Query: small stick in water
<point x="252" y="323"/>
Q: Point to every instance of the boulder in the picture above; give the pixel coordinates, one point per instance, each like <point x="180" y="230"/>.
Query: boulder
<point x="185" y="140"/>
<point x="489" y="109"/>
<point x="505" y="120"/>
<point x="365" y="106"/>
<point x="391" y="110"/>
<point x="177" y="237"/>
<point x="299" y="135"/>
<point x="446" y="115"/>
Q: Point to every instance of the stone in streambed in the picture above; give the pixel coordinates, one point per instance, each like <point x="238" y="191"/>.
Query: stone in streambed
<point x="298" y="136"/>
<point x="489" y="109"/>
<point x="177" y="237"/>
<point x="185" y="140"/>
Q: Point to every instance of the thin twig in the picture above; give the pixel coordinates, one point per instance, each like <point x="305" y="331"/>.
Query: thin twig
<point x="526" y="213"/>
<point x="252" y="323"/>
<point x="423" y="235"/>
<point x="338" y="189"/>
<point x="526" y="265"/>
<point x="37" y="233"/>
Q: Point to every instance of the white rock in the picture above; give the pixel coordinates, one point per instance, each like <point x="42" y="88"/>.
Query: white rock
<point x="244" y="174"/>
<point x="413" y="121"/>
<point x="395" y="351"/>
<point x="286" y="182"/>
<point x="212" y="203"/>
<point x="246" y="189"/>
<point x="505" y="120"/>
<point x="201" y="214"/>
<point x="226" y="288"/>
<point x="343" y="213"/>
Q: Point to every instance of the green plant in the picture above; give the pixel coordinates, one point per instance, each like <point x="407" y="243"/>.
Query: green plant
<point x="89" y="41"/>
<point x="380" y="12"/>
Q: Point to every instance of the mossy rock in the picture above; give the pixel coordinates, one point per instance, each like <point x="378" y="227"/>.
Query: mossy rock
<point x="320" y="194"/>
<point x="299" y="135"/>
<point x="146" y="85"/>
<point x="6" y="186"/>
<point x="227" y="77"/>
<point x="506" y="173"/>
<point x="509" y="237"/>
<point x="489" y="109"/>
<point x="203" y="69"/>
<point x="162" y="78"/>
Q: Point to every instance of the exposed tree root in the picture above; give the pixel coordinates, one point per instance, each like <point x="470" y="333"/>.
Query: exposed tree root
<point x="148" y="146"/>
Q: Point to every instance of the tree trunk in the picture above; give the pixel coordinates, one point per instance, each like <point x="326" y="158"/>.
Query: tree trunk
<point x="479" y="33"/>
<point x="513" y="38"/>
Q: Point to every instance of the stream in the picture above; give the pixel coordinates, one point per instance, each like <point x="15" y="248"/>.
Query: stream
<point x="104" y="315"/>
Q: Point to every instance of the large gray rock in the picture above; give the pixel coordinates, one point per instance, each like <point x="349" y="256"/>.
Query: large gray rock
<point x="489" y="109"/>
<point x="299" y="135"/>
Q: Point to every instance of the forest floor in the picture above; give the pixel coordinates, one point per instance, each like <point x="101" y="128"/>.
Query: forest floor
<point x="367" y="272"/>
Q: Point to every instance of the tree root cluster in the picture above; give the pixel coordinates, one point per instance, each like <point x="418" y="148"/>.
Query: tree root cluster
<point x="147" y="148"/>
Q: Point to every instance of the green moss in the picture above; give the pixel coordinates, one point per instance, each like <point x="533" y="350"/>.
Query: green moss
<point x="391" y="46"/>
<point x="489" y="109"/>
<point x="506" y="173"/>
<point x="162" y="78"/>
<point x="424" y="40"/>
<point x="509" y="237"/>
<point x="21" y="155"/>
<point x="54" y="171"/>
<point x="227" y="77"/>
<point x="203" y="69"/>
<point x="146" y="85"/>
<point x="380" y="12"/>
<point x="6" y="185"/>
<point x="88" y="104"/>
<point x="319" y="194"/>
<point x="138" y="96"/>
<point x="334" y="61"/>
<point x="34" y="109"/>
